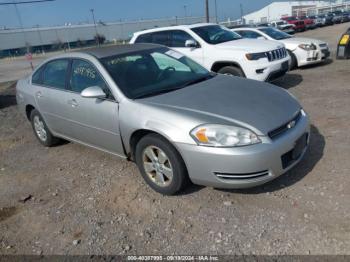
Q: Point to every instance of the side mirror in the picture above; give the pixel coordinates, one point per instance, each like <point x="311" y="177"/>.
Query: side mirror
<point x="191" y="43"/>
<point x="261" y="38"/>
<point x="93" y="92"/>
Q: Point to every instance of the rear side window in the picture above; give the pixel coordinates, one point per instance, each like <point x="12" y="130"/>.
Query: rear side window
<point x="178" y="38"/>
<point x="37" y="76"/>
<point x="160" y="38"/>
<point x="146" y="38"/>
<point x="55" y="73"/>
<point x="249" y="34"/>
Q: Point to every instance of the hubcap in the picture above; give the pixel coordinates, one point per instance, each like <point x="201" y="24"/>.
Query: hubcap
<point x="40" y="128"/>
<point x="157" y="166"/>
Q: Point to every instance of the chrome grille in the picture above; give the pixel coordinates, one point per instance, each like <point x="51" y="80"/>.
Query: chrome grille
<point x="276" y="54"/>
<point x="285" y="127"/>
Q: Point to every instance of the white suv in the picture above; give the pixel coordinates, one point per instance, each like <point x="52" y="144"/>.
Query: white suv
<point x="222" y="51"/>
<point x="303" y="51"/>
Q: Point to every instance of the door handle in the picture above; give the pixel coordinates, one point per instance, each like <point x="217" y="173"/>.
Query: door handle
<point x="39" y="94"/>
<point x="73" y="103"/>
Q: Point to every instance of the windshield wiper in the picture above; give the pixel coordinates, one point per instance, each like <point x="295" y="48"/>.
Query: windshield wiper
<point x="198" y="80"/>
<point x="158" y="92"/>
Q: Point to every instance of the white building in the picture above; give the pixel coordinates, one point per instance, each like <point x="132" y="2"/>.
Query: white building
<point x="276" y="10"/>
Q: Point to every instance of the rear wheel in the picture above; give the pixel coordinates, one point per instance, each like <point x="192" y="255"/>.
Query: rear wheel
<point x="161" y="165"/>
<point x="41" y="131"/>
<point x="231" y="70"/>
<point x="293" y="61"/>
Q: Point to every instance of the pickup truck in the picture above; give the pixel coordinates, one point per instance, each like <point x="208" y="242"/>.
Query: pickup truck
<point x="309" y="22"/>
<point x="299" y="24"/>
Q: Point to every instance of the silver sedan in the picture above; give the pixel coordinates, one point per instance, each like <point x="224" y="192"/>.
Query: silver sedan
<point x="177" y="121"/>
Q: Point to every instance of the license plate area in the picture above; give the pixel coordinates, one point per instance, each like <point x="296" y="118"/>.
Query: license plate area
<point x="293" y="155"/>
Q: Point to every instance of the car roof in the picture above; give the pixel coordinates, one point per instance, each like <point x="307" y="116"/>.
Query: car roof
<point x="101" y="52"/>
<point x="250" y="28"/>
<point x="157" y="29"/>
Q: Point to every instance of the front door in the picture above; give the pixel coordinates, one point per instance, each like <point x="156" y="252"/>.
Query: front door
<point x="178" y="40"/>
<point x="94" y="121"/>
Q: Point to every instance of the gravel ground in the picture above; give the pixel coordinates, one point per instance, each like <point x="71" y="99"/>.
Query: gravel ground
<point x="71" y="199"/>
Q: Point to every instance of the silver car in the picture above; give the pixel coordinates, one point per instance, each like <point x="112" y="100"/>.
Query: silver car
<point x="177" y="121"/>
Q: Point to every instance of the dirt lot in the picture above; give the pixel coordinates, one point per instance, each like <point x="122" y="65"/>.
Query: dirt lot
<point x="74" y="200"/>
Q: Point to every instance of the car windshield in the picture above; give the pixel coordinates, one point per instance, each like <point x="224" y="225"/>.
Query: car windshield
<point x="152" y="72"/>
<point x="215" y="34"/>
<point x="275" y="33"/>
<point x="280" y="23"/>
<point x="291" y="18"/>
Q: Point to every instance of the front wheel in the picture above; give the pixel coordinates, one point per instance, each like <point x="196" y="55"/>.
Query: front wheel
<point x="232" y="71"/>
<point x="160" y="164"/>
<point x="293" y="61"/>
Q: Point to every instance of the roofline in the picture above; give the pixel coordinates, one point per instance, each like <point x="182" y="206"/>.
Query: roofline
<point x="175" y="27"/>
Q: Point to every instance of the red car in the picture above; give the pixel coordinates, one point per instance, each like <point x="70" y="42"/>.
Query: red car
<point x="309" y="23"/>
<point x="299" y="24"/>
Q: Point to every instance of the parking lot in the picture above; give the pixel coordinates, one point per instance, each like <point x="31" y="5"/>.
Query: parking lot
<point x="71" y="199"/>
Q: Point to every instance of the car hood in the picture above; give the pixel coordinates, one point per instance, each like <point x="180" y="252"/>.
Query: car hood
<point x="302" y="40"/>
<point x="250" y="45"/>
<point x="258" y="106"/>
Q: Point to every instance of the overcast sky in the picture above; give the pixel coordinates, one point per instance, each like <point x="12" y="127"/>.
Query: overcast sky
<point x="62" y="11"/>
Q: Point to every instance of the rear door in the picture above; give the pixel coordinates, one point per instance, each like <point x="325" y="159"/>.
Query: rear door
<point x="50" y="95"/>
<point x="94" y="121"/>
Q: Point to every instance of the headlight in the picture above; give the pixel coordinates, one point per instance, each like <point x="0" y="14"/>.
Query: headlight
<point x="223" y="136"/>
<point x="308" y="47"/>
<point x="255" y="56"/>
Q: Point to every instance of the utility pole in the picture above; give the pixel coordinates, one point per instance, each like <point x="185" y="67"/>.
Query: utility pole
<point x="185" y="9"/>
<point x="216" y="12"/>
<point x="241" y="7"/>
<point x="207" y="11"/>
<point x="93" y="17"/>
<point x="19" y="17"/>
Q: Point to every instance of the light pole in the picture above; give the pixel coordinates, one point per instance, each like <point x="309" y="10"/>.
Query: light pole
<point x="185" y="9"/>
<point x="207" y="11"/>
<point x="97" y="36"/>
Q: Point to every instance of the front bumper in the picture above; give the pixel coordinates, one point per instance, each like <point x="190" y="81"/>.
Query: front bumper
<point x="245" y="166"/>
<point x="311" y="57"/>
<point x="263" y="70"/>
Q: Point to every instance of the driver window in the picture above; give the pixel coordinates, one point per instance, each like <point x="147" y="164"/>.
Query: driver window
<point x="167" y="62"/>
<point x="85" y="75"/>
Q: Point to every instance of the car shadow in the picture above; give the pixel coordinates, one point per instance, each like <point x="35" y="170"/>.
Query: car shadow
<point x="290" y="80"/>
<point x="8" y="97"/>
<point x="312" y="157"/>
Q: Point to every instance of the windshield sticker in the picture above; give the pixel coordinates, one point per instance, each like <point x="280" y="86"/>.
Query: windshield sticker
<point x="174" y="54"/>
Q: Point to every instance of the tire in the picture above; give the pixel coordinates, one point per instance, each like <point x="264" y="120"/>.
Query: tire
<point x="231" y="70"/>
<point x="47" y="139"/>
<point x="293" y="61"/>
<point x="168" y="185"/>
